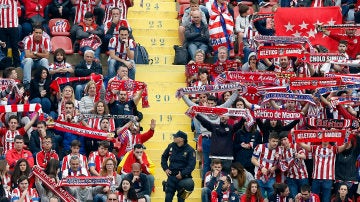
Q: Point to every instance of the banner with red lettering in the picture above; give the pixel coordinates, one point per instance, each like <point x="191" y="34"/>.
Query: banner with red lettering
<point x="321" y="135"/>
<point x="332" y="123"/>
<point x="302" y="22"/>
<point x="320" y="58"/>
<point x="83" y="131"/>
<point x="292" y="50"/>
<point x="310" y="83"/>
<point x="84" y="181"/>
<point x="248" y="77"/>
<point x="276" y="114"/>
<point x="51" y="184"/>
<point x="129" y="85"/>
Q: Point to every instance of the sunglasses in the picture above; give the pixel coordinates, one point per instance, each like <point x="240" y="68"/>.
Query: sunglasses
<point x="112" y="199"/>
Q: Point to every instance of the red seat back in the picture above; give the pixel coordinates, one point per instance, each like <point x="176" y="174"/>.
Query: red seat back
<point x="59" y="27"/>
<point x="63" y="42"/>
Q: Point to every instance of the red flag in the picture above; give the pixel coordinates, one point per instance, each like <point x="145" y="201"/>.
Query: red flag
<point x="302" y="22"/>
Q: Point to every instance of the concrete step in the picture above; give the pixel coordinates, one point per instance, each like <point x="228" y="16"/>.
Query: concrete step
<point x="155" y="6"/>
<point x="161" y="59"/>
<point x="154" y="15"/>
<point x="164" y="119"/>
<point x="156" y="32"/>
<point x="165" y="76"/>
<point x="168" y="108"/>
<point x="153" y="22"/>
<point x="155" y="144"/>
<point x="157" y="41"/>
<point x="166" y="50"/>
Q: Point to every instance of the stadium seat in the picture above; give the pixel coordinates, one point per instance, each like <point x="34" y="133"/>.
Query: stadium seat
<point x="182" y="9"/>
<point x="183" y="2"/>
<point x="59" y="27"/>
<point x="63" y="42"/>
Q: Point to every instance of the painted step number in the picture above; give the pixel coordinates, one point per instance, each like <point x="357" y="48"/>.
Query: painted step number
<point x="155" y="24"/>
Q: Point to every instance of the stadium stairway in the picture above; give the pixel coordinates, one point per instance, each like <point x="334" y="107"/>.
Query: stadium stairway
<point x="155" y="27"/>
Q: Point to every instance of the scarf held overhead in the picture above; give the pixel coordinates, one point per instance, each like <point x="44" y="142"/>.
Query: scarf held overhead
<point x="300" y="83"/>
<point x="321" y="135"/>
<point x="97" y="78"/>
<point x="276" y="114"/>
<point x="130" y="85"/>
<point x="209" y="89"/>
<point x="292" y="50"/>
<point x="82" y="131"/>
<point x="289" y="96"/>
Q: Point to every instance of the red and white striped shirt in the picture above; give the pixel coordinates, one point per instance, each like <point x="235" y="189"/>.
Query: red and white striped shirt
<point x="8" y="137"/>
<point x="81" y="8"/>
<point x="121" y="23"/>
<point x="266" y="157"/>
<point x="324" y="162"/>
<point x="37" y="46"/>
<point x="297" y="170"/>
<point x="96" y="160"/>
<point x="120" y="49"/>
<point x="109" y="4"/>
<point x="95" y="123"/>
<point x="66" y="161"/>
<point x="9" y="13"/>
<point x="31" y="196"/>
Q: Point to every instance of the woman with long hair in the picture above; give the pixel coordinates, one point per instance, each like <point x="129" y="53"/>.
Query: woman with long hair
<point x="40" y="89"/>
<point x="281" y="193"/>
<point x="22" y="167"/>
<point x="87" y="102"/>
<point x="126" y="191"/>
<point x="99" y="108"/>
<point x="5" y="179"/>
<point x="241" y="177"/>
<point x="66" y="95"/>
<point x="52" y="168"/>
<point x="108" y="169"/>
<point x="342" y="195"/>
<point x="253" y="193"/>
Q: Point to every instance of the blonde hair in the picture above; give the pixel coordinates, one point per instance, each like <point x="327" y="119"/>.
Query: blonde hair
<point x="91" y="82"/>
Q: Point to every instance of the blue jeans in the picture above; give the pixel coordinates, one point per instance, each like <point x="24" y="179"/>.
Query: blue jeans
<point x="206" y="142"/>
<point x="194" y="46"/>
<point x="113" y="66"/>
<point x="205" y="194"/>
<point x="323" y="187"/>
<point x="295" y="184"/>
<point x="267" y="188"/>
<point x="45" y="103"/>
<point x="100" y="198"/>
<point x="29" y="64"/>
<point x="97" y="51"/>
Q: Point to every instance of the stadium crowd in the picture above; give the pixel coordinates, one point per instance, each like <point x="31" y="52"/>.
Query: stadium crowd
<point x="273" y="127"/>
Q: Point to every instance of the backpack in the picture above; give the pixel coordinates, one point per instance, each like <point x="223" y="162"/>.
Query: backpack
<point x="181" y="55"/>
<point x="141" y="56"/>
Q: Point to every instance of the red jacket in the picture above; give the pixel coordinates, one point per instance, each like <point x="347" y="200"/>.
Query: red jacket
<point x="43" y="157"/>
<point x="12" y="156"/>
<point x="136" y="139"/>
<point x="34" y="7"/>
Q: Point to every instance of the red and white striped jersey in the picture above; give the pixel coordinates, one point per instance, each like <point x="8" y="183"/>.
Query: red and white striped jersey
<point x="9" y="13"/>
<point x="96" y="160"/>
<point x="109" y="4"/>
<point x="324" y="162"/>
<point x="57" y="65"/>
<point x="37" y="46"/>
<point x="66" y="161"/>
<point x="120" y="49"/>
<point x="81" y="8"/>
<point x="266" y="157"/>
<point x="95" y="123"/>
<point x="8" y="137"/>
<point x="297" y="169"/>
<point x="32" y="195"/>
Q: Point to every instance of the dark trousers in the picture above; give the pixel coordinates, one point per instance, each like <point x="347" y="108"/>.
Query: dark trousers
<point x="11" y="37"/>
<point x="173" y="185"/>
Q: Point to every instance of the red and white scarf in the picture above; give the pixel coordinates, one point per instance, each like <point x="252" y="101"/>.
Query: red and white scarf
<point x="85" y="181"/>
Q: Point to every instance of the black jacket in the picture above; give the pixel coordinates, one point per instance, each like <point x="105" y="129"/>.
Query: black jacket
<point x="221" y="136"/>
<point x="81" y="69"/>
<point x="142" y="187"/>
<point x="35" y="145"/>
<point x="181" y="159"/>
<point x="192" y="35"/>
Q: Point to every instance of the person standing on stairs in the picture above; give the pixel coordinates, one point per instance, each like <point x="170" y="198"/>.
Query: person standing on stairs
<point x="178" y="161"/>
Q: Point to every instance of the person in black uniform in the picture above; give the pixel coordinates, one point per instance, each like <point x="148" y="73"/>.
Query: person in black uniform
<point x="178" y="161"/>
